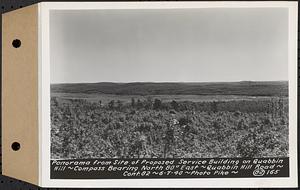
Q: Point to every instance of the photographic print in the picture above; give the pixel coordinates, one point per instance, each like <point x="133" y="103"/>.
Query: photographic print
<point x="169" y="83"/>
<point x="154" y="90"/>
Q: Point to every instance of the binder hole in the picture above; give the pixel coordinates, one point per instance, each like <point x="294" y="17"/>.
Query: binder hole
<point x="16" y="146"/>
<point x="16" y="43"/>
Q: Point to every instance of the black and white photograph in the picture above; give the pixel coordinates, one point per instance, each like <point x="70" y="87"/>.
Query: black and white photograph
<point x="169" y="83"/>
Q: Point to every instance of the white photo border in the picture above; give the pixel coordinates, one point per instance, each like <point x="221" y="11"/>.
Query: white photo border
<point x="44" y="99"/>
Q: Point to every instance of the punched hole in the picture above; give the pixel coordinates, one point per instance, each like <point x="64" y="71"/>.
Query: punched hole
<point x="15" y="146"/>
<point x="16" y="43"/>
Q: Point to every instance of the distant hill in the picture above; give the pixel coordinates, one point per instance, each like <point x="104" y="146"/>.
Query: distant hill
<point x="274" y="88"/>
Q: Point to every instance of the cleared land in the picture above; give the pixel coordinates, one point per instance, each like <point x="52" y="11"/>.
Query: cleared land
<point x="245" y="88"/>
<point x="159" y="120"/>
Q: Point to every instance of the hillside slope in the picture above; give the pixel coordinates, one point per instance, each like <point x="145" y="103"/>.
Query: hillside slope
<point x="274" y="88"/>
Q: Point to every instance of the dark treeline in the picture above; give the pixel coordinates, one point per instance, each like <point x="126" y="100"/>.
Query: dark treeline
<point x="273" y="105"/>
<point x="246" y="88"/>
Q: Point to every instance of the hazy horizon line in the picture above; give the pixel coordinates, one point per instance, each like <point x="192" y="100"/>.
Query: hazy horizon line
<point x="116" y="82"/>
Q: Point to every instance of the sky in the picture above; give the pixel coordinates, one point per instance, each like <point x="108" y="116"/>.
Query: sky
<point x="179" y="45"/>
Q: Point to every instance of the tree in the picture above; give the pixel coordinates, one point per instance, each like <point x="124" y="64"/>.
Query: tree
<point x="148" y="103"/>
<point x="139" y="104"/>
<point x="175" y="105"/>
<point x="54" y="101"/>
<point x="157" y="104"/>
<point x="111" y="104"/>
<point x="214" y="106"/>
<point x="119" y="105"/>
<point x="132" y="102"/>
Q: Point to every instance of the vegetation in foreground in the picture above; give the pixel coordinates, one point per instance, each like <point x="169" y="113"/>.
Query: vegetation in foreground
<point x="154" y="129"/>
